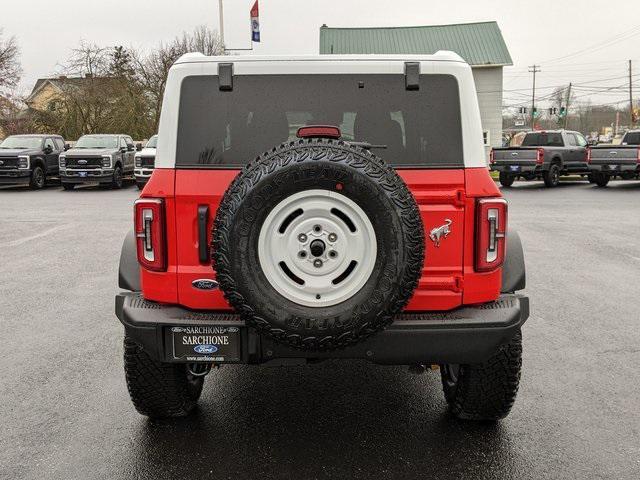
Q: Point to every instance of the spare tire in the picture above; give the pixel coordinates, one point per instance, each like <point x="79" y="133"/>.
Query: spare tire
<point x="318" y="244"/>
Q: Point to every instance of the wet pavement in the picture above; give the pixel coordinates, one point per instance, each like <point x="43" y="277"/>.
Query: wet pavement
<point x="66" y="413"/>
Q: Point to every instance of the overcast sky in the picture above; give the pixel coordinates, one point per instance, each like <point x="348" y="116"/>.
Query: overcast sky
<point x="603" y="35"/>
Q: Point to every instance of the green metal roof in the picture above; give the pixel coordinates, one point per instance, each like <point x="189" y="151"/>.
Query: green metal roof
<point x="478" y="43"/>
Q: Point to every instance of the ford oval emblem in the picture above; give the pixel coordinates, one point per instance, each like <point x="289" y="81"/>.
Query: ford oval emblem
<point x="205" y="349"/>
<point x="82" y="162"/>
<point x="204" y="284"/>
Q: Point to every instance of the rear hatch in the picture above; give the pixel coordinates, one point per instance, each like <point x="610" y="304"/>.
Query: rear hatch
<point x="219" y="131"/>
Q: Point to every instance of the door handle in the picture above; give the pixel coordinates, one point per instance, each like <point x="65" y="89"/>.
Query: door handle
<point x="203" y="220"/>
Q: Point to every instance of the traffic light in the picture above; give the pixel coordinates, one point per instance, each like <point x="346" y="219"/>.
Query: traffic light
<point x="522" y="110"/>
<point x="535" y="112"/>
<point x="563" y="111"/>
<point x="553" y="111"/>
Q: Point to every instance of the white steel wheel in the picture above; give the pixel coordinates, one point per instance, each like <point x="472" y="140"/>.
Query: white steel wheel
<point x="317" y="248"/>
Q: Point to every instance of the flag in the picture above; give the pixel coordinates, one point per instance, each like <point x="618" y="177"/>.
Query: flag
<point x="255" y="23"/>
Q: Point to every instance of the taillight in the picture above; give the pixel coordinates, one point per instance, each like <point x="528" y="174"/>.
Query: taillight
<point x="319" y="131"/>
<point x="150" y="234"/>
<point x="588" y="155"/>
<point x="491" y="231"/>
<point x="492" y="158"/>
<point x="540" y="156"/>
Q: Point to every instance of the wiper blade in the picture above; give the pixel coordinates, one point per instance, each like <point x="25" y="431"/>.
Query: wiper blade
<point x="366" y="145"/>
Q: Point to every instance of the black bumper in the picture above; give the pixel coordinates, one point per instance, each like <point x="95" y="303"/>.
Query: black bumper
<point x="15" y="177"/>
<point x="92" y="177"/>
<point x="517" y="169"/>
<point x="465" y="335"/>
<point x="614" y="168"/>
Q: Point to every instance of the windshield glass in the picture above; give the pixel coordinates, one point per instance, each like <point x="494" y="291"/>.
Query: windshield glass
<point x="97" y="141"/>
<point x="230" y="128"/>
<point x="632" y="138"/>
<point x="22" y="142"/>
<point x="153" y="142"/>
<point x="543" y="140"/>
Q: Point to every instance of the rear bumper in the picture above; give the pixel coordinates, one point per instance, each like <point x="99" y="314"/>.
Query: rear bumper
<point x="15" y="177"/>
<point x="614" y="167"/>
<point x="465" y="335"/>
<point x="517" y="168"/>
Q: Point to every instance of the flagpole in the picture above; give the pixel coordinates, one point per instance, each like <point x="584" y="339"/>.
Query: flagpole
<point x="221" y="24"/>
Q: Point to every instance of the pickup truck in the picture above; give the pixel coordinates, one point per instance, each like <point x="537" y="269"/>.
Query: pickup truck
<point x="30" y="159"/>
<point x="145" y="161"/>
<point x="102" y="159"/>
<point x="545" y="155"/>
<point x="610" y="161"/>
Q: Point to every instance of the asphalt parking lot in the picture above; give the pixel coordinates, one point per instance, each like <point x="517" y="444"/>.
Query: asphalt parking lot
<point x="66" y="413"/>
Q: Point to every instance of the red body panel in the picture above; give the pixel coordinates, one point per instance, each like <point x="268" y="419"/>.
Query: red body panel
<point x="448" y="277"/>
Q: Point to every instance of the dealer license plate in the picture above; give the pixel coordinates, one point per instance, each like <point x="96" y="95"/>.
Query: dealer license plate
<point x="613" y="167"/>
<point x="206" y="344"/>
<point x="514" y="168"/>
<point x="82" y="174"/>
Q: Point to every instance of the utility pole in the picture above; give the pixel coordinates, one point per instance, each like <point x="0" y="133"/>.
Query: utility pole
<point x="630" y="94"/>
<point x="568" y="102"/>
<point x="220" y="9"/>
<point x="534" y="69"/>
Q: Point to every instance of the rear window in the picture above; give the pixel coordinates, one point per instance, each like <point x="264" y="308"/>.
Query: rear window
<point x="420" y="128"/>
<point x="543" y="140"/>
<point x="632" y="138"/>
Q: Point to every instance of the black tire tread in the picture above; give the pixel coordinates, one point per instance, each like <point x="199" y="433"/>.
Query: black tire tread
<point x="506" y="180"/>
<point x="307" y="150"/>
<point x="548" y="178"/>
<point x="157" y="390"/>
<point x="487" y="391"/>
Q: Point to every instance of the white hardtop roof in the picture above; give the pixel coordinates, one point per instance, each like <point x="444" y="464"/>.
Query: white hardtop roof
<point x="441" y="56"/>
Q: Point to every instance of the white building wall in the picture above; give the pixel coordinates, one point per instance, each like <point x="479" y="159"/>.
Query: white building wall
<point x="489" y="86"/>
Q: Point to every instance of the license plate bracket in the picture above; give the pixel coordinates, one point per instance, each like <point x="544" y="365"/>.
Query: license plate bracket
<point x="514" y="168"/>
<point x="210" y="343"/>
<point x="82" y="174"/>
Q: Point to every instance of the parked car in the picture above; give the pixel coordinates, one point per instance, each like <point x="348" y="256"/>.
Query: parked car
<point x="545" y="155"/>
<point x="318" y="231"/>
<point x="611" y="161"/>
<point x="29" y="159"/>
<point x="103" y="159"/>
<point x="145" y="161"/>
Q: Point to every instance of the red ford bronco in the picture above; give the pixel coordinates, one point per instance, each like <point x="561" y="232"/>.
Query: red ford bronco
<point x="312" y="208"/>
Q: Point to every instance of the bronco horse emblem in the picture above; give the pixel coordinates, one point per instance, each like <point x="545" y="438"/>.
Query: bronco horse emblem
<point x="440" y="232"/>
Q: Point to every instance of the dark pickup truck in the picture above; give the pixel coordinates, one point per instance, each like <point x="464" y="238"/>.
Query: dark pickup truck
<point x="543" y="155"/>
<point x="29" y="159"/>
<point x="610" y="161"/>
<point x="102" y="159"/>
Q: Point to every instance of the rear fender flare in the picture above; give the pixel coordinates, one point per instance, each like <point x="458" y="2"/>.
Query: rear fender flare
<point x="513" y="269"/>
<point x="129" y="271"/>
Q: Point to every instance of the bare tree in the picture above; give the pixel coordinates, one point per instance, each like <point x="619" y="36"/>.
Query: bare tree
<point x="10" y="69"/>
<point x="153" y="68"/>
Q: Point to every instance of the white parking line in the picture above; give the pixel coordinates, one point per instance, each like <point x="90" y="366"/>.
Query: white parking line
<point x="20" y="241"/>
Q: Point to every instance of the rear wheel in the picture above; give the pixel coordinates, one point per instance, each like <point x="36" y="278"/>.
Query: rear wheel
<point x="506" y="180"/>
<point x="158" y="389"/>
<point x="38" y="178"/>
<point x="552" y="176"/>
<point x="484" y="391"/>
<point x="602" y="179"/>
